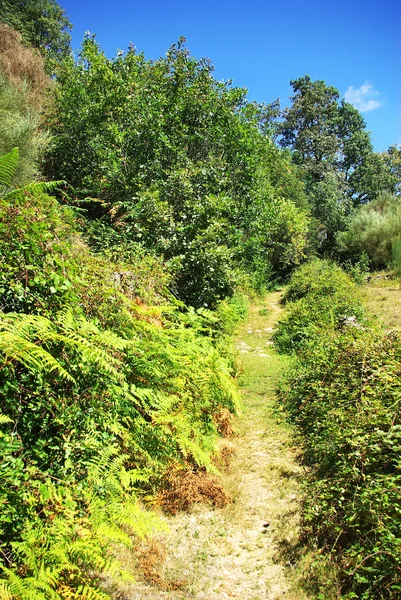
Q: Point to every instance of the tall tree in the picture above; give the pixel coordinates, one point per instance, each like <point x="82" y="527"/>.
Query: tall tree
<point x="329" y="141"/>
<point x="309" y="126"/>
<point x="325" y="133"/>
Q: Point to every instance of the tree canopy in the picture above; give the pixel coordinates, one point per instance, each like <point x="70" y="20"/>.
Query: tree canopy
<point x="175" y="160"/>
<point x="329" y="141"/>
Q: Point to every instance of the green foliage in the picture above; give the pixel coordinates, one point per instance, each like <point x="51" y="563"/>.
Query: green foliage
<point x="330" y="143"/>
<point x="36" y="274"/>
<point x="378" y="173"/>
<point x="19" y="126"/>
<point x="277" y="237"/>
<point x="373" y="230"/>
<point x="397" y="257"/>
<point x="8" y="167"/>
<point x="174" y="160"/>
<point x="343" y="394"/>
<point x="104" y="384"/>
<point x="319" y="297"/>
<point x="309" y="126"/>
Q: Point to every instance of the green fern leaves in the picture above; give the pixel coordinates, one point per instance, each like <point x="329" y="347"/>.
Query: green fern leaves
<point x="8" y="167"/>
<point x="100" y="393"/>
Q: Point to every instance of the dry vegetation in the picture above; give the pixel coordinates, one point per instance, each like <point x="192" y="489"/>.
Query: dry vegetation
<point x="185" y="487"/>
<point x="22" y="65"/>
<point x="382" y="298"/>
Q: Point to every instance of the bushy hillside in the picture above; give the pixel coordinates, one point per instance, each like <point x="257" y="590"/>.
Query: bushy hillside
<point x="106" y="385"/>
<point x="139" y="200"/>
<point x="343" y="394"/>
<point x="163" y="154"/>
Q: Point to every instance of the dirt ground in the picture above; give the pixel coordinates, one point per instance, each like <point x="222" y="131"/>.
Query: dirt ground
<point x="246" y="549"/>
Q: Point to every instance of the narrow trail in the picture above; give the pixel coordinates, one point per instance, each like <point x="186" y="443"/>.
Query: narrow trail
<point x="242" y="551"/>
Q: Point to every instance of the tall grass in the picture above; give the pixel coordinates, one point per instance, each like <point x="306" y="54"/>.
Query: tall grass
<point x="397" y="257"/>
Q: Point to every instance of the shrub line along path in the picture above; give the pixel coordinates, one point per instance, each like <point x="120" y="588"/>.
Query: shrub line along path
<point x="244" y="550"/>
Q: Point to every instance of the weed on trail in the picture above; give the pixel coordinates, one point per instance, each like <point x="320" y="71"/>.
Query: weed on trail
<point x="184" y="488"/>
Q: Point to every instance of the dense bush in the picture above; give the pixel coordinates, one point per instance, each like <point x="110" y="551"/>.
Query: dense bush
<point x="343" y="394"/>
<point x="166" y="156"/>
<point x="319" y="297"/>
<point x="373" y="230"/>
<point x="106" y="384"/>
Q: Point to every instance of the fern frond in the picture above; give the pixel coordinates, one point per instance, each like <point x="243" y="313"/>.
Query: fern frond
<point x="85" y="592"/>
<point x="4" y="419"/>
<point x="44" y="187"/>
<point x="8" y="167"/>
<point x="27" y="588"/>
<point x="22" y="338"/>
<point x="5" y="593"/>
<point x="35" y="188"/>
<point x="16" y="348"/>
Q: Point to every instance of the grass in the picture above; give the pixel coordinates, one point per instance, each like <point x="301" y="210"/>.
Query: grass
<point x="381" y="296"/>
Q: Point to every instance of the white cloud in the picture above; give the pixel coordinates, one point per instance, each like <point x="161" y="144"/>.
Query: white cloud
<point x="364" y="98"/>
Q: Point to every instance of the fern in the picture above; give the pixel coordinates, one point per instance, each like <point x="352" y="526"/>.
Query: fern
<point x="22" y="338"/>
<point x="117" y="404"/>
<point x="4" y="419"/>
<point x="8" y="167"/>
<point x="15" y="347"/>
<point x="37" y="187"/>
<point x="115" y="513"/>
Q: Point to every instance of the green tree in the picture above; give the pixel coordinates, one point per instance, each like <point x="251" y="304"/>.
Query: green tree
<point x="326" y="134"/>
<point x="43" y="24"/>
<point x="170" y="158"/>
<point x="309" y="127"/>
<point x="329" y="141"/>
<point x="392" y="158"/>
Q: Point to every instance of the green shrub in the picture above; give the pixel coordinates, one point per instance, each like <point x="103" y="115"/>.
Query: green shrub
<point x="105" y="384"/>
<point x="317" y="278"/>
<point x="373" y="230"/>
<point x="343" y="394"/>
<point x="320" y="296"/>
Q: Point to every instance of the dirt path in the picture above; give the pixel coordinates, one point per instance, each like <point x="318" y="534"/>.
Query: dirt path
<point x="243" y="550"/>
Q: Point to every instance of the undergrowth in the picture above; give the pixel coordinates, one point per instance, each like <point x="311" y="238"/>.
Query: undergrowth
<point x="107" y="386"/>
<point x="343" y="393"/>
<point x="319" y="298"/>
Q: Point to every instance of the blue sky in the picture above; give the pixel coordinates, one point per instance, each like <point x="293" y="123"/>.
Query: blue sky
<point x="262" y="45"/>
